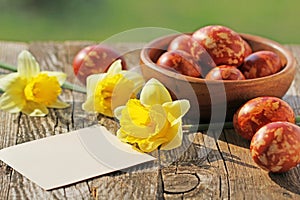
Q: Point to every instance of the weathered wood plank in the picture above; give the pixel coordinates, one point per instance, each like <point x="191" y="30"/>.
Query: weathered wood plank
<point x="205" y="168"/>
<point x="9" y="51"/>
<point x="248" y="180"/>
<point x="9" y="123"/>
<point x="138" y="182"/>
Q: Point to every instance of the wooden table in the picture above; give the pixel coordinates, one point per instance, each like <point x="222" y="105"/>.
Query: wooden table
<point x="209" y="169"/>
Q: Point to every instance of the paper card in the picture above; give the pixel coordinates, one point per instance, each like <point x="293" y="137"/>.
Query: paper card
<point x="64" y="159"/>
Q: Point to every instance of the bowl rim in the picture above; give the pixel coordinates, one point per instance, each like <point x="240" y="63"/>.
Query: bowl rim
<point x="289" y="66"/>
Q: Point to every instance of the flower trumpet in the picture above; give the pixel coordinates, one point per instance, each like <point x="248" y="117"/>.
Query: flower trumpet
<point x="106" y="91"/>
<point x="154" y="120"/>
<point x="30" y="90"/>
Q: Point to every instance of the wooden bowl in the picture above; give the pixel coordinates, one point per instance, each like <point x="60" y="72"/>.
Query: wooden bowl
<point x="215" y="100"/>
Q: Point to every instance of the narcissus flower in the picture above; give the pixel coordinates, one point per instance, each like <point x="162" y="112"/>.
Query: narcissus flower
<point x="154" y="120"/>
<point x="106" y="91"/>
<point x="30" y="90"/>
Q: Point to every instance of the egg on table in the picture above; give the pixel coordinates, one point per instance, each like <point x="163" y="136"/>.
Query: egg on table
<point x="276" y="146"/>
<point x="260" y="111"/>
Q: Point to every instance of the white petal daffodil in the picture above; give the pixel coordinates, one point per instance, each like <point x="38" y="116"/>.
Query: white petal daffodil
<point x="154" y="120"/>
<point x="106" y="91"/>
<point x="30" y="90"/>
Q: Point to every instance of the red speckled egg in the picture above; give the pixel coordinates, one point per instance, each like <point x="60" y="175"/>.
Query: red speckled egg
<point x="93" y="60"/>
<point x="276" y="146"/>
<point x="225" y="72"/>
<point x="248" y="49"/>
<point x="225" y="46"/>
<point x="181" y="62"/>
<point x="190" y="45"/>
<point x="260" y="111"/>
<point x="260" y="64"/>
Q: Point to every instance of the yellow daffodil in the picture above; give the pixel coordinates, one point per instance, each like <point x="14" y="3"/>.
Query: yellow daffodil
<point x="106" y="91"/>
<point x="154" y="120"/>
<point x="30" y="90"/>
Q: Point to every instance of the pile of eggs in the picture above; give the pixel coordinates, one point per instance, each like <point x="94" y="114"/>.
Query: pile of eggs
<point x="218" y="53"/>
<point x="269" y="123"/>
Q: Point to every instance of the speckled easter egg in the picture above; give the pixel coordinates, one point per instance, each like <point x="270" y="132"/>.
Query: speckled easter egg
<point x="94" y="59"/>
<point x="260" y="64"/>
<point x="225" y="46"/>
<point x="260" y="111"/>
<point x="276" y="146"/>
<point x="192" y="46"/>
<point x="180" y="62"/>
<point x="225" y="72"/>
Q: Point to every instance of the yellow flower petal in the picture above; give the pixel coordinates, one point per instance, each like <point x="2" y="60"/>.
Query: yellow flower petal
<point x="42" y="89"/>
<point x="91" y="83"/>
<point x="136" y="78"/>
<point x="61" y="77"/>
<point x="7" y="80"/>
<point x="29" y="90"/>
<point x="13" y="99"/>
<point x="145" y="127"/>
<point x="177" y="140"/>
<point x="9" y="104"/>
<point x="58" y="104"/>
<point x="176" y="110"/>
<point x="27" y="65"/>
<point x="158" y="117"/>
<point x="115" y="68"/>
<point x="135" y="120"/>
<point x="123" y="91"/>
<point x="153" y="122"/>
<point x="154" y="93"/>
<point x="89" y="105"/>
<point x="108" y="93"/>
<point x="118" y="112"/>
<point x="142" y="144"/>
<point x="35" y="109"/>
<point x="105" y="93"/>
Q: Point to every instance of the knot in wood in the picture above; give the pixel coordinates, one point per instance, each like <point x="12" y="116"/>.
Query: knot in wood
<point x="180" y="183"/>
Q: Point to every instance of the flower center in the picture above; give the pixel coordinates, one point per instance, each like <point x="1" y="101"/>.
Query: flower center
<point x="104" y="93"/>
<point x="145" y="127"/>
<point x="138" y="113"/>
<point x="42" y="89"/>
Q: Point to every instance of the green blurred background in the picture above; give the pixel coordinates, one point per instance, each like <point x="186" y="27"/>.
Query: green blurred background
<point x="28" y="20"/>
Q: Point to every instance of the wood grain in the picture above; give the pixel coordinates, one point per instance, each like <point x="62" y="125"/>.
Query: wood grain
<point x="203" y="168"/>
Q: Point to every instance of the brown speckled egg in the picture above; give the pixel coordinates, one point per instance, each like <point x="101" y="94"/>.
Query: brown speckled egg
<point x="260" y="111"/>
<point x="190" y="45"/>
<point x="225" y="72"/>
<point x="260" y="64"/>
<point x="248" y="49"/>
<point x="181" y="62"/>
<point x="95" y="59"/>
<point x="276" y="146"/>
<point x="225" y="46"/>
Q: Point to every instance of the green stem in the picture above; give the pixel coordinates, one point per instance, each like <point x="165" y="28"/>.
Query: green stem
<point x="226" y="125"/>
<point x="199" y="127"/>
<point x="211" y="126"/>
<point x="8" y="67"/>
<point x="297" y="119"/>
<point x="73" y="87"/>
<point x="66" y="85"/>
